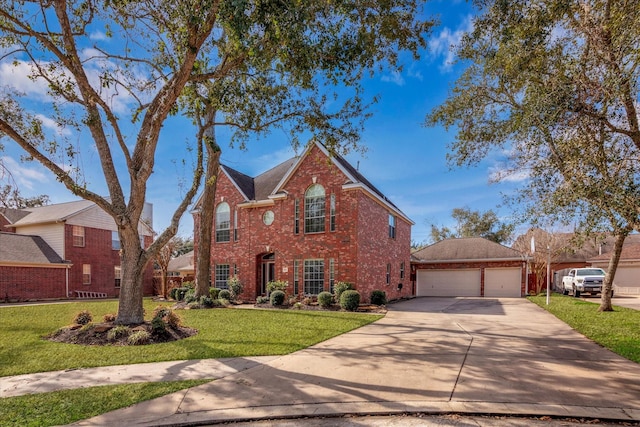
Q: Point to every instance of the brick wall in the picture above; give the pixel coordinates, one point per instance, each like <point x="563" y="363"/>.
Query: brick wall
<point x="359" y="246"/>
<point x="32" y="283"/>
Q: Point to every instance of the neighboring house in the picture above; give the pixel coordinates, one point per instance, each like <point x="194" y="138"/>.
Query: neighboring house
<point x="312" y="221"/>
<point x="85" y="240"/>
<point x="468" y="267"/>
<point x="181" y="267"/>
<point x="8" y="216"/>
<point x="627" y="277"/>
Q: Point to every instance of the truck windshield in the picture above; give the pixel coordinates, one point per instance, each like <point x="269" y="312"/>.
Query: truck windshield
<point x="590" y="272"/>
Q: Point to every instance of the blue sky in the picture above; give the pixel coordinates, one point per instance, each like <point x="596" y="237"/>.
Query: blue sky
<point x="404" y="159"/>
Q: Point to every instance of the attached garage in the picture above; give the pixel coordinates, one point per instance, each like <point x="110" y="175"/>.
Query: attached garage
<point x="448" y="283"/>
<point x="502" y="282"/>
<point x="470" y="267"/>
<point x="627" y="278"/>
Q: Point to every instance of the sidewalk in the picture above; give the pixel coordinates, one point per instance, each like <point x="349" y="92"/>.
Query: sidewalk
<point x="436" y="355"/>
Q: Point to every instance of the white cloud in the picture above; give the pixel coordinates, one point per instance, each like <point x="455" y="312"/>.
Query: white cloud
<point x="24" y="176"/>
<point x="53" y="126"/>
<point x="444" y="44"/>
<point x="394" y="77"/>
<point x="98" y="36"/>
<point x="17" y="76"/>
<point x="499" y="173"/>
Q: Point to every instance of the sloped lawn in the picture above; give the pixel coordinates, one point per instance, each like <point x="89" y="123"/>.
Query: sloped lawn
<point x="619" y="331"/>
<point x="222" y="332"/>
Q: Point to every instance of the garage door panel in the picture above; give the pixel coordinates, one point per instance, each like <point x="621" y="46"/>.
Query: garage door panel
<point x="627" y="276"/>
<point x="502" y="282"/>
<point x="448" y="283"/>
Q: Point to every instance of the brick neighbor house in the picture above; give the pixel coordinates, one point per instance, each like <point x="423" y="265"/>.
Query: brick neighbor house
<point x="312" y="221"/>
<point x="63" y="250"/>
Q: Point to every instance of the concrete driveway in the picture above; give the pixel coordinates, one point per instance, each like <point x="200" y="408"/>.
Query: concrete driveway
<point x="433" y="355"/>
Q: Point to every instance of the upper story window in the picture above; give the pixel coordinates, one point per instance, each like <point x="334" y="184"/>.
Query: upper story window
<point x="115" y="240"/>
<point x="296" y="217"/>
<point x="314" y="201"/>
<point x="332" y="212"/>
<point x="78" y="236"/>
<point x="223" y="222"/>
<point x="392" y="226"/>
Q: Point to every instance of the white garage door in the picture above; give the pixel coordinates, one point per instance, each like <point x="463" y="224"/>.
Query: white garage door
<point x="628" y="277"/>
<point x="502" y="282"/>
<point x="448" y="283"/>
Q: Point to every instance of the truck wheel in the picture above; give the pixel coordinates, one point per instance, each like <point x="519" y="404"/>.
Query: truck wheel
<point x="565" y="291"/>
<point x="576" y="293"/>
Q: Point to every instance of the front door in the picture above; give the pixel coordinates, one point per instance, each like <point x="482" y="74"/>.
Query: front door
<point x="268" y="271"/>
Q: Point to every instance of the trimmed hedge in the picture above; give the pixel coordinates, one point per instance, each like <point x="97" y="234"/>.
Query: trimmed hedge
<point x="350" y="300"/>
<point x="277" y="298"/>
<point x="378" y="297"/>
<point x="325" y="299"/>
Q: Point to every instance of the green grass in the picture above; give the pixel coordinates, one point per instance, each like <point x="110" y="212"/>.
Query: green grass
<point x="619" y="330"/>
<point x="64" y="407"/>
<point x="222" y="333"/>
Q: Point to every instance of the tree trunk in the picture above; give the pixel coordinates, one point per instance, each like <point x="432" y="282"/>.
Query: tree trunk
<point x="605" y="300"/>
<point x="163" y="283"/>
<point x="207" y="209"/>
<point x="133" y="263"/>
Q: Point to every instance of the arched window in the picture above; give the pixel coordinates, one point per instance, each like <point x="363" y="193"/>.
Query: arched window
<point x="223" y="222"/>
<point x="314" y="200"/>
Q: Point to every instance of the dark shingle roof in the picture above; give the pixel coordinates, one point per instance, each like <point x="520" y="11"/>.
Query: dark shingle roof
<point x="26" y="249"/>
<point x="13" y="215"/>
<point x="244" y="182"/>
<point x="266" y="182"/>
<point x="629" y="252"/>
<point x="473" y="248"/>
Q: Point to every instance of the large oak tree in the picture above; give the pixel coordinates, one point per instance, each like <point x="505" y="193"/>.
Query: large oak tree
<point x="554" y="85"/>
<point x="111" y="73"/>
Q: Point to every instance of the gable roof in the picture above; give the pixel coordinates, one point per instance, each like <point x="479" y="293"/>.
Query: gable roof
<point x="270" y="183"/>
<point x="465" y="249"/>
<point x="53" y="213"/>
<point x="24" y="249"/>
<point x="13" y="215"/>
<point x="630" y="252"/>
<point x="182" y="263"/>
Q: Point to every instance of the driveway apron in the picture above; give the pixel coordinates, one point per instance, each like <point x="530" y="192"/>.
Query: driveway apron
<point x="434" y="355"/>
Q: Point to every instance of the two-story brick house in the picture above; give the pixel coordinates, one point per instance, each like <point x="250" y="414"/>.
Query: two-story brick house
<point x="77" y="237"/>
<point x="313" y="220"/>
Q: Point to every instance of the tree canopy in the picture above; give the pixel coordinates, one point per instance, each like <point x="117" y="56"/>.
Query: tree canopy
<point x="107" y="76"/>
<point x="553" y="85"/>
<point x="474" y="224"/>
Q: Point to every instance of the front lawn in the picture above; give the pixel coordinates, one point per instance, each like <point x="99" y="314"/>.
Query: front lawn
<point x="222" y="333"/>
<point x="619" y="331"/>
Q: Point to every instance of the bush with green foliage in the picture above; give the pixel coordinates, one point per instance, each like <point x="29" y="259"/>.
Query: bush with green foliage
<point x="277" y="298"/>
<point x="235" y="287"/>
<point x="297" y="306"/>
<point x="225" y="294"/>
<point x="277" y="285"/>
<point x="117" y="332"/>
<point x="158" y="327"/>
<point x="340" y="287"/>
<point x="350" y="300"/>
<point x="325" y="299"/>
<point x="109" y="317"/>
<point x="378" y="297"/>
<point x="262" y="300"/>
<point x="139" y="338"/>
<point x="168" y="316"/>
<point x="190" y="296"/>
<point x="206" y="302"/>
<point x="214" y="292"/>
<point x="83" y="318"/>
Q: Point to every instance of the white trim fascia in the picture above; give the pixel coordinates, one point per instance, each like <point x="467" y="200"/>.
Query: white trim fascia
<point x="376" y="197"/>
<point x="34" y="264"/>
<point x="279" y="196"/>
<point x="453" y="261"/>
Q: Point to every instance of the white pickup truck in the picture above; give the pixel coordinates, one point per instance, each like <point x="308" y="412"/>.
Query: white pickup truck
<point x="583" y="280"/>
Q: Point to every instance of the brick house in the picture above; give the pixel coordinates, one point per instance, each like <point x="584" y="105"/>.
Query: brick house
<point x="312" y="221"/>
<point x="77" y="237"/>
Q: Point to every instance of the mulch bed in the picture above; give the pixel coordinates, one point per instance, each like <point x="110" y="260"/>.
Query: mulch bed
<point x="98" y="334"/>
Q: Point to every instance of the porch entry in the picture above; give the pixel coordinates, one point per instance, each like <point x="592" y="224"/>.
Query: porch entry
<point x="268" y="271"/>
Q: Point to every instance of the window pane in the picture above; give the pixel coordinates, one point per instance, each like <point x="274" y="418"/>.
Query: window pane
<point x="78" y="236"/>
<point x="392" y="226"/>
<point x="314" y="209"/>
<point x="223" y="223"/>
<point x="115" y="241"/>
<point x="313" y="276"/>
<point x="86" y="274"/>
<point x="332" y="217"/>
<point x="222" y="274"/>
<point x="117" y="272"/>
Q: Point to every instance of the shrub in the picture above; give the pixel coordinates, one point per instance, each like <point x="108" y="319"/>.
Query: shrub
<point x="194" y="305"/>
<point x="139" y="338"/>
<point x="179" y="293"/>
<point x="325" y="299"/>
<point x="262" y="300"/>
<point x="83" y="318"/>
<point x="158" y="327"/>
<point x="235" y="286"/>
<point x="109" y="317"/>
<point x="190" y="296"/>
<point x="206" y="301"/>
<point x="189" y="285"/>
<point x="307" y="301"/>
<point x="340" y="287"/>
<point x="168" y="316"/>
<point x="225" y="294"/>
<point x="173" y="293"/>
<point x="214" y="292"/>
<point x="117" y="332"/>
<point x="277" y="285"/>
<point x="297" y="306"/>
<point x="378" y="297"/>
<point x="277" y="298"/>
<point x="349" y="300"/>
